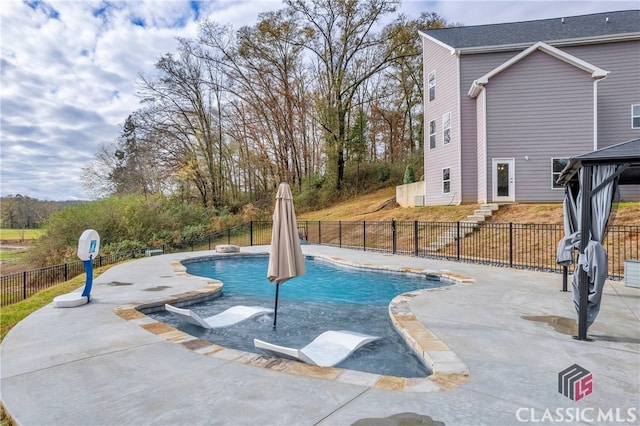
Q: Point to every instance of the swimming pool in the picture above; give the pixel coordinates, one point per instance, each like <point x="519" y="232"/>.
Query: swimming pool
<point x="327" y="297"/>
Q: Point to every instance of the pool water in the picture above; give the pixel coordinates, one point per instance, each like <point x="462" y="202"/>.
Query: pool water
<point x="327" y="297"/>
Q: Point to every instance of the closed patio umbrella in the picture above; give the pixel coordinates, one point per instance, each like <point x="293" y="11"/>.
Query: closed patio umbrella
<point x="285" y="258"/>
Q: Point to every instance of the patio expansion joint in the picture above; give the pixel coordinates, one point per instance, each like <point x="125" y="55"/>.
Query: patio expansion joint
<point x="449" y="371"/>
<point x="357" y="396"/>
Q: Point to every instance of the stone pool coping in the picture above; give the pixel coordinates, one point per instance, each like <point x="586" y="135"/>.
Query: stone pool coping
<point x="448" y="369"/>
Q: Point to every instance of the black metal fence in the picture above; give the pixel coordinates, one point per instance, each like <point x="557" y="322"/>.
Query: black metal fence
<point x="511" y="245"/>
<point x="515" y="245"/>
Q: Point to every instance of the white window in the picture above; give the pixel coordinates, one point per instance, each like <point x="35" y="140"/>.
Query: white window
<point x="432" y="134"/>
<point x="446" y="180"/>
<point x="446" y="128"/>
<point x="432" y="86"/>
<point x="635" y="116"/>
<point x="557" y="164"/>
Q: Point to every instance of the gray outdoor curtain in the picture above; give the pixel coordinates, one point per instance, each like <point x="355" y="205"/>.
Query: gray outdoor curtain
<point x="601" y="201"/>
<point x="594" y="260"/>
<point x="571" y="237"/>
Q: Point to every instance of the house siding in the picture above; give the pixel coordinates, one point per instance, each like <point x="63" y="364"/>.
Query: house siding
<point x="554" y="92"/>
<point x="440" y="59"/>
<point x="538" y="109"/>
<point x="616" y="94"/>
<point x="618" y="91"/>
<point x="473" y="67"/>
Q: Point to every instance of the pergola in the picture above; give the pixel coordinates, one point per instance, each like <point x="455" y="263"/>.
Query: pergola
<point x="600" y="171"/>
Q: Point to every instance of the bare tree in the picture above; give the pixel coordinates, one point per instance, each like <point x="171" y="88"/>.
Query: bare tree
<point x="348" y="51"/>
<point x="187" y="105"/>
<point x="305" y="91"/>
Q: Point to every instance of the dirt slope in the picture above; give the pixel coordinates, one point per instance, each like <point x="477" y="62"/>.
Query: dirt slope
<point x="381" y="206"/>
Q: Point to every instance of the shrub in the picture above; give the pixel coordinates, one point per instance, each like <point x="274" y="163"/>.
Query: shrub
<point x="135" y="221"/>
<point x="409" y="175"/>
<point x="383" y="173"/>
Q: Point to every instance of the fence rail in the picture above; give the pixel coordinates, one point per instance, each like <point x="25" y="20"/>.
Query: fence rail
<point x="512" y="245"/>
<point x="515" y="245"/>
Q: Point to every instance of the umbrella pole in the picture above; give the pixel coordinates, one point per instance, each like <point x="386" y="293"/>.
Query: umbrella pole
<point x="275" y="310"/>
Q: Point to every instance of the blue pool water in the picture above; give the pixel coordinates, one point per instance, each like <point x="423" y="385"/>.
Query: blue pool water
<point x="327" y="297"/>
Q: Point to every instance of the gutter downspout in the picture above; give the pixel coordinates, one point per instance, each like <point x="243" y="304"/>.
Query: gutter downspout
<point x="595" y="114"/>
<point x="485" y="145"/>
<point x="459" y="130"/>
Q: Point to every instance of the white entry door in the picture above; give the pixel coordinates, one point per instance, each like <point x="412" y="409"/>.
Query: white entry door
<point x="503" y="177"/>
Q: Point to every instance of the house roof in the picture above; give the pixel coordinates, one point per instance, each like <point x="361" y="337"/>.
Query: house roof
<point x="623" y="153"/>
<point x="596" y="72"/>
<point x="594" y="27"/>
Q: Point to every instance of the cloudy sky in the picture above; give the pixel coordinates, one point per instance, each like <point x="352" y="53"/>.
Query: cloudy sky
<point x="68" y="70"/>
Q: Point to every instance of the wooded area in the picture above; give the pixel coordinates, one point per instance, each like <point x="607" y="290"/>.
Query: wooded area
<point x="311" y="93"/>
<point x="23" y="212"/>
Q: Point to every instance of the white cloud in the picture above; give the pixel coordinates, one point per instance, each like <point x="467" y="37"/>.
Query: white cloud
<point x="480" y="12"/>
<point x="69" y="70"/>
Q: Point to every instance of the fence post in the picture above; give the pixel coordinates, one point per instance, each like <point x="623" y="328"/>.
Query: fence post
<point x="340" y="233"/>
<point x="458" y="240"/>
<point x="393" y="236"/>
<point x="228" y="238"/>
<point x="24" y="285"/>
<point x="319" y="232"/>
<point x="251" y="233"/>
<point x="510" y="244"/>
<point x="209" y="238"/>
<point x="66" y="272"/>
<point x="364" y="235"/>
<point x="415" y="238"/>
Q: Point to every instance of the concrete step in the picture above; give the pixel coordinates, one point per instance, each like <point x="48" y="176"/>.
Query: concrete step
<point x="482" y="212"/>
<point x="492" y="207"/>
<point x="474" y="218"/>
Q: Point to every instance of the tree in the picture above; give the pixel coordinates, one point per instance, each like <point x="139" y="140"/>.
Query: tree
<point x="404" y="76"/>
<point x="185" y="101"/>
<point x="264" y="67"/>
<point x="306" y="92"/>
<point x="348" y="52"/>
<point x="22" y="212"/>
<point x="409" y="175"/>
<point x="128" y="165"/>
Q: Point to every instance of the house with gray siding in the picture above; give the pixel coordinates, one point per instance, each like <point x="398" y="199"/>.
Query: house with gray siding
<point x="507" y="105"/>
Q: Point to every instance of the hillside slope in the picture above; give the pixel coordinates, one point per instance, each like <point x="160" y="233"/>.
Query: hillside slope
<point x="378" y="207"/>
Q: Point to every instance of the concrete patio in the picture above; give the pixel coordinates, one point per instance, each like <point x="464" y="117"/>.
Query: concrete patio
<point x="106" y="364"/>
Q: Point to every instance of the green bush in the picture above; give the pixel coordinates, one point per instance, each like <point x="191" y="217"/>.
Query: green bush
<point x="383" y="173"/>
<point x="409" y="175"/>
<point x="123" y="222"/>
<point x="123" y="246"/>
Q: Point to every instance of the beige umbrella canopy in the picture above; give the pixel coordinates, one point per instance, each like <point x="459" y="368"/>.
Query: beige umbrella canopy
<point x="285" y="259"/>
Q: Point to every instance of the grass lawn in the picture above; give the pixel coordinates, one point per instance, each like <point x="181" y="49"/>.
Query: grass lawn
<point x="12" y="256"/>
<point x="20" y="234"/>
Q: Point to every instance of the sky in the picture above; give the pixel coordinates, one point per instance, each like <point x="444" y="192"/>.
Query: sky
<point x="68" y="71"/>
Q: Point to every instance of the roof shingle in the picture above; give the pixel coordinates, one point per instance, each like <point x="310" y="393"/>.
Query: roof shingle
<point x="597" y="25"/>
